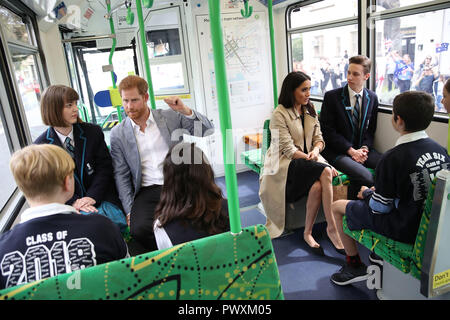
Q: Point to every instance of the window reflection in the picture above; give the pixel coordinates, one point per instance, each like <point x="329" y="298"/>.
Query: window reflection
<point x="323" y="55"/>
<point x="163" y="43"/>
<point x="413" y="55"/>
<point x="26" y="73"/>
<point x="13" y="26"/>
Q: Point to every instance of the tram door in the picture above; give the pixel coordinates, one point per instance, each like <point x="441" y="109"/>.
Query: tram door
<point x="89" y="60"/>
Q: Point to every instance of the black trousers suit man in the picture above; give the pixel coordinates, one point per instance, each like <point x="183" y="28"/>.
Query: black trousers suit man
<point x="342" y="134"/>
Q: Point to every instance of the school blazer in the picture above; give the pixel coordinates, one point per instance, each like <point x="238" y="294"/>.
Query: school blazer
<point x="337" y="126"/>
<point x="125" y="153"/>
<point x="93" y="165"/>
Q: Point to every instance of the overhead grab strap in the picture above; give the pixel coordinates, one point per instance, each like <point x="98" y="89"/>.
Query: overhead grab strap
<point x="113" y="47"/>
<point x="148" y="3"/>
<point x="130" y="14"/>
<point x="248" y="10"/>
<point x="224" y="116"/>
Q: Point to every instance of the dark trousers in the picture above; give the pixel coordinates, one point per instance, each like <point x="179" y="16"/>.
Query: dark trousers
<point x="142" y="213"/>
<point x="357" y="172"/>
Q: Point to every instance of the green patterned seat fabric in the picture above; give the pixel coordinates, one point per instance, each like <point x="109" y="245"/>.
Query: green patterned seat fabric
<point x="403" y="256"/>
<point x="396" y="253"/>
<point x="252" y="159"/>
<point x="419" y="245"/>
<point x="220" y="267"/>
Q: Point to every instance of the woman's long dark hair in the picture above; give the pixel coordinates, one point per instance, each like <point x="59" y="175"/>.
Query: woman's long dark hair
<point x="189" y="192"/>
<point x="292" y="81"/>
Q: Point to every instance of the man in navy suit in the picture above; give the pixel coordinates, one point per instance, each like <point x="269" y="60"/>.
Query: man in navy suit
<point x="348" y="120"/>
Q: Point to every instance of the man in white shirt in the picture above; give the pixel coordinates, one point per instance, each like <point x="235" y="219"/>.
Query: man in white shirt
<point x="348" y="120"/>
<point x="139" y="144"/>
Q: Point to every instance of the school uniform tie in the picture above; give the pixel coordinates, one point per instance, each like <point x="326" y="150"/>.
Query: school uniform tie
<point x="69" y="147"/>
<point x="356" y="118"/>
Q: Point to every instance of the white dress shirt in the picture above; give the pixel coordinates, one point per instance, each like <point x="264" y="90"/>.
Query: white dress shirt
<point x="152" y="150"/>
<point x="62" y="137"/>
<point x="352" y="95"/>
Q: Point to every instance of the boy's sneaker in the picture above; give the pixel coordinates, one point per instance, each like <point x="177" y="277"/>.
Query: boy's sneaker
<point x="374" y="258"/>
<point x="348" y="275"/>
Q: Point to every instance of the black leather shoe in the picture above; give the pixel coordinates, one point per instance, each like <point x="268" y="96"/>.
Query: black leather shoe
<point x="340" y="251"/>
<point x="317" y="251"/>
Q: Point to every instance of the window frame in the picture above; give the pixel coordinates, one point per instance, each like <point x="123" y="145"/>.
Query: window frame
<point x="405" y="11"/>
<point x="366" y="34"/>
<point x="314" y="27"/>
<point x="169" y="59"/>
<point x="12" y="113"/>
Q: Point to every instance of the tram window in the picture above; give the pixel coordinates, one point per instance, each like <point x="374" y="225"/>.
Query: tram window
<point x="8" y="184"/>
<point x="24" y="58"/>
<point x="322" y="36"/>
<point x="13" y="27"/>
<point x="167" y="76"/>
<point x="163" y="43"/>
<point x="166" y="52"/>
<point x="26" y="73"/>
<point x="94" y="60"/>
<point x="323" y="11"/>
<point x="414" y="55"/>
<point x="323" y="55"/>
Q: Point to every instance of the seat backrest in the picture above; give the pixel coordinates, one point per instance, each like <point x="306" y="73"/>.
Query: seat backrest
<point x="266" y="137"/>
<point x="421" y="238"/>
<point x="219" y="267"/>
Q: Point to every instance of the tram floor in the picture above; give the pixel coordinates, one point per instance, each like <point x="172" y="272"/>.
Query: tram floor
<point x="303" y="275"/>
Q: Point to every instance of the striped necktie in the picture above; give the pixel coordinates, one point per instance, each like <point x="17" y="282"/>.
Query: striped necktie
<point x="69" y="147"/>
<point x="356" y="118"/>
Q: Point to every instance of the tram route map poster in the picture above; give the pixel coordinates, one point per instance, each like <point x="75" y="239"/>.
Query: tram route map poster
<point x="245" y="43"/>
<point x="248" y="66"/>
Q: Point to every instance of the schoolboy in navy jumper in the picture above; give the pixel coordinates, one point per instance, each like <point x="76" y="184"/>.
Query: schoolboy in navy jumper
<point x="393" y="207"/>
<point x="52" y="238"/>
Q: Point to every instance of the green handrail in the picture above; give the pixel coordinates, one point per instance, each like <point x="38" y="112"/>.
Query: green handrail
<point x="272" y="51"/>
<point x="113" y="48"/>
<point x="224" y="115"/>
<point x="145" y="53"/>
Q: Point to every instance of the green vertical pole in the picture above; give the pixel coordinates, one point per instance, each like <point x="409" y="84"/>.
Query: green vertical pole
<point x="113" y="48"/>
<point x="224" y="115"/>
<point x="145" y="52"/>
<point x="272" y="51"/>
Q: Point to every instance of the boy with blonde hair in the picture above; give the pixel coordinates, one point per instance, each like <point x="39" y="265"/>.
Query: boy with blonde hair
<point x="52" y="238"/>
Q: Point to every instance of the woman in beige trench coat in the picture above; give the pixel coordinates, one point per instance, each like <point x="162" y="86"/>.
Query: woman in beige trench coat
<point x="293" y="166"/>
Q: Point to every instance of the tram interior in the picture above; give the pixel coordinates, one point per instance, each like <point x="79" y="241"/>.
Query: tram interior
<point x="70" y="42"/>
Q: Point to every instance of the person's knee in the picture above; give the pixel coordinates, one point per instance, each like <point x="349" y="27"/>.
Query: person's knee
<point x="338" y="207"/>
<point x="327" y="174"/>
<point x="366" y="179"/>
